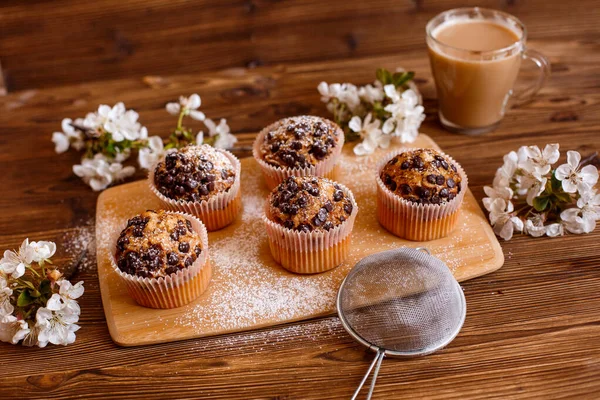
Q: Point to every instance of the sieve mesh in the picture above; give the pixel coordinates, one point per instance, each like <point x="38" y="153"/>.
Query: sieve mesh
<point x="404" y="302"/>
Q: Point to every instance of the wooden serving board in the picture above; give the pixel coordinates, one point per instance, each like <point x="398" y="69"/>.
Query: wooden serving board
<point x="249" y="290"/>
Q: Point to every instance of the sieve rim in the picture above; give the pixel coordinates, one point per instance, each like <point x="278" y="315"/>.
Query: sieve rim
<point x="394" y="353"/>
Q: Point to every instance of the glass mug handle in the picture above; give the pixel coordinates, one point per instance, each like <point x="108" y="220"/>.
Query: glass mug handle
<point x="543" y="64"/>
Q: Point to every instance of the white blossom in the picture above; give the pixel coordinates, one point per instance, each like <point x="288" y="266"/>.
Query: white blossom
<point x="150" y="155"/>
<point x="99" y="173"/>
<point x="13" y="330"/>
<point x="534" y="226"/>
<point x="187" y="105"/>
<point x="502" y="219"/>
<point x="540" y="161"/>
<point x="69" y="136"/>
<point x="39" y="252"/>
<point x="122" y="124"/>
<point x="573" y="178"/>
<point x="371" y="134"/>
<point x="371" y="93"/>
<point x="345" y="93"/>
<point x="56" y="327"/>
<point x="407" y="114"/>
<point x="556" y="229"/>
<point x="582" y="219"/>
<point x="13" y="263"/>
<point x="224" y="138"/>
<point x="505" y="173"/>
<point x="66" y="297"/>
<point x="496" y="192"/>
<point x="6" y="306"/>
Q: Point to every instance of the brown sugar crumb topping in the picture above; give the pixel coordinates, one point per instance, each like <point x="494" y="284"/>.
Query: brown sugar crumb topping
<point x="156" y="244"/>
<point x="299" y="142"/>
<point x="422" y="176"/>
<point x="194" y="173"/>
<point x="309" y="204"/>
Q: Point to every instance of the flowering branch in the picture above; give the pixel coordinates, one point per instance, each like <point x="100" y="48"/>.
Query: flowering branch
<point x="37" y="306"/>
<point x="390" y="107"/>
<point x="528" y="195"/>
<point x="110" y="135"/>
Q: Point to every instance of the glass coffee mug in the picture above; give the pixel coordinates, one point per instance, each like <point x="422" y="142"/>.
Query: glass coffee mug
<point x="475" y="56"/>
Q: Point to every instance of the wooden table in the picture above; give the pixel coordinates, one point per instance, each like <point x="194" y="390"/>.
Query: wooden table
<point x="533" y="327"/>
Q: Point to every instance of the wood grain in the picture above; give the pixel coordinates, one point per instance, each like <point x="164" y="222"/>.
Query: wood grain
<point x="532" y="327"/>
<point x="471" y="250"/>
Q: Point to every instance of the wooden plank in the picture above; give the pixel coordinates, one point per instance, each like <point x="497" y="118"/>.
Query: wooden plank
<point x="245" y="273"/>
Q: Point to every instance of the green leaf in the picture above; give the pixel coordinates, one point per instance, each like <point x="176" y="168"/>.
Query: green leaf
<point x="540" y="203"/>
<point x="384" y="76"/>
<point x="24" y="299"/>
<point x="401" y="78"/>
<point x="45" y="286"/>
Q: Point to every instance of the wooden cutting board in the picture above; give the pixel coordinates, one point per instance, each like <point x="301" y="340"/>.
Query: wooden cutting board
<point x="249" y="290"/>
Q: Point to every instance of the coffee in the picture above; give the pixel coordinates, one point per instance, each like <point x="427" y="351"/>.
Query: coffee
<point x="474" y="88"/>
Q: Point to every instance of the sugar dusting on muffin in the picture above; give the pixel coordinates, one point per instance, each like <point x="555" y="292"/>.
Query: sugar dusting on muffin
<point x="308" y="204"/>
<point x="156" y="244"/>
<point x="299" y="142"/>
<point x="422" y="176"/>
<point x="194" y="173"/>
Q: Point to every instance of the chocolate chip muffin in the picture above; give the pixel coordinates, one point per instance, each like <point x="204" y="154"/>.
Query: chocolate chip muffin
<point x="307" y="204"/>
<point x="194" y="173"/>
<point x="299" y="142"/>
<point x="422" y="176"/>
<point x="156" y="244"/>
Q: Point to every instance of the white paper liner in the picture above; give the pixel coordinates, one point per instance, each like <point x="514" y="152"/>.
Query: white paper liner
<point x="174" y="290"/>
<point x="219" y="210"/>
<point x="275" y="175"/>
<point x="419" y="222"/>
<point x="310" y="252"/>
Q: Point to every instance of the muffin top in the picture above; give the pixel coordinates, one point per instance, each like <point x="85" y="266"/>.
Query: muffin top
<point x="309" y="204"/>
<point x="422" y="176"/>
<point x="299" y="142"/>
<point x="157" y="243"/>
<point x="194" y="173"/>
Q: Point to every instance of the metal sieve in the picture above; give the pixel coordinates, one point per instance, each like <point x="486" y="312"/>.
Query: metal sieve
<point x="403" y="303"/>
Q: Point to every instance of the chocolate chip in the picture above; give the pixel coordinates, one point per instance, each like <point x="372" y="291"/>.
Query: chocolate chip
<point x="431" y="179"/>
<point x="296" y="145"/>
<point x="328" y="206"/>
<point x="275" y="147"/>
<point x="453" y="167"/>
<point x="418" y="163"/>
<point x="285" y="195"/>
<point x="405" y="165"/>
<point x="313" y="191"/>
<point x="180" y="190"/>
<point x="224" y="174"/>
<point x="330" y="141"/>
<point x="444" y="193"/>
<point x="319" y="150"/>
<point x="424" y="193"/>
<point x="208" y="166"/>
<point x="316" y="221"/>
<point x="270" y="136"/>
<point x="210" y="186"/>
<point x="304" y="228"/>
<point x="405" y="188"/>
<point x="138" y="231"/>
<point x="188" y="261"/>
<point x="450" y="183"/>
<point x="458" y="186"/>
<point x="338" y="195"/>
<point x="444" y="164"/>
<point x="342" y="218"/>
<point x="451" y="196"/>
<point x="288" y="159"/>
<point x="172" y="258"/>
<point x="348" y="208"/>
<point x="171" y="270"/>
<point x="189" y="225"/>
<point x="288" y="224"/>
<point x="184" y="247"/>
<point x="302" y="201"/>
<point x="439" y="180"/>
<point x="328" y="225"/>
<point x="198" y="251"/>
<point x="122" y="242"/>
<point x="203" y="190"/>
<point x="174" y="235"/>
<point x="322" y="214"/>
<point x="292" y="186"/>
<point x="392" y="186"/>
<point x="435" y="199"/>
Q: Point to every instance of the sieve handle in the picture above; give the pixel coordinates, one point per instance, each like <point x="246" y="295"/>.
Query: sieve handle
<point x="423" y="249"/>
<point x="377" y="360"/>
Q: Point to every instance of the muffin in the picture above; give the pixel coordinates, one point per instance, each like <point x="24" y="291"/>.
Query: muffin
<point x="419" y="193"/>
<point x="309" y="221"/>
<point x="163" y="258"/>
<point x="298" y="146"/>
<point x="200" y="180"/>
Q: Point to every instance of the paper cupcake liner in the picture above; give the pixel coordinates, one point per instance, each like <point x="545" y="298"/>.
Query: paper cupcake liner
<point x="310" y="252"/>
<point x="275" y="175"/>
<point x="418" y="222"/>
<point x="218" y="211"/>
<point x="177" y="289"/>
